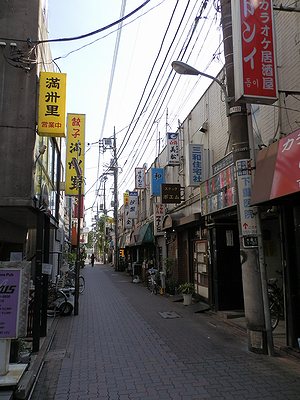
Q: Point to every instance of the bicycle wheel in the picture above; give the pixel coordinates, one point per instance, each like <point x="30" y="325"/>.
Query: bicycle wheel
<point x="275" y="313"/>
<point x="57" y="303"/>
<point x="81" y="284"/>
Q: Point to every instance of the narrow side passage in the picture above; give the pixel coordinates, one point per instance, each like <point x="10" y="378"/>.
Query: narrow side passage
<point x="119" y="347"/>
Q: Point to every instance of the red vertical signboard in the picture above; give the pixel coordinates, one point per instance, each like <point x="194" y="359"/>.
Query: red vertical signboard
<point x="254" y="55"/>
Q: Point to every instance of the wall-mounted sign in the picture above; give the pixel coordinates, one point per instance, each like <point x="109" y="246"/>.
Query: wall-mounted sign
<point x="52" y="104"/>
<point x="14" y="295"/>
<point x="140" y="178"/>
<point x="75" y="149"/>
<point x="173" y="148"/>
<point x="157" y="179"/>
<point x="195" y="164"/>
<point x="218" y="192"/>
<point x="244" y="184"/>
<point x="170" y="193"/>
<point x="254" y="58"/>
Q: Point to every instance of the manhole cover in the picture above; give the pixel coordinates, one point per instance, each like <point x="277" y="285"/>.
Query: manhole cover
<point x="169" y="314"/>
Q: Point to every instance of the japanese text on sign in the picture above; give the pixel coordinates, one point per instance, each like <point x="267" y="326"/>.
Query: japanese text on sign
<point x="257" y="60"/>
<point x="52" y="104"/>
<point x="159" y="212"/>
<point x="170" y="193"/>
<point x="133" y="205"/>
<point x="258" y="53"/>
<point x="195" y="164"/>
<point x="248" y="220"/>
<point x="157" y="179"/>
<point x="140" y="178"/>
<point x="173" y="148"/>
<point x="75" y="149"/>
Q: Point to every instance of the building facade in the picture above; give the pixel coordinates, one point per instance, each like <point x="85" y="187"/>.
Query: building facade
<point x="200" y="234"/>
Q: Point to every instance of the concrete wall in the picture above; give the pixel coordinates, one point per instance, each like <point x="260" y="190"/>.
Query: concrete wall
<point x="18" y="21"/>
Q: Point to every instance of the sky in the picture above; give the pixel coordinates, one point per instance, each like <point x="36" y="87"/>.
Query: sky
<point x="122" y="79"/>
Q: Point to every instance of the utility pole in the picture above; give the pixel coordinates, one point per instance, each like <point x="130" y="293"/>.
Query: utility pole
<point x="258" y="338"/>
<point x="115" y="167"/>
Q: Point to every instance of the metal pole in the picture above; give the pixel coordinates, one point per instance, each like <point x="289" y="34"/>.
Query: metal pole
<point x="36" y="328"/>
<point x="77" y="264"/>
<point x="116" y="202"/>
<point x="45" y="278"/>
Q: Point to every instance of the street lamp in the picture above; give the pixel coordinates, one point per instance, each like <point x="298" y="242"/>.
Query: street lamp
<point x="185" y="69"/>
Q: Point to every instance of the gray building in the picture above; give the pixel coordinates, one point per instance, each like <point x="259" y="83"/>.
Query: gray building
<point x="30" y="165"/>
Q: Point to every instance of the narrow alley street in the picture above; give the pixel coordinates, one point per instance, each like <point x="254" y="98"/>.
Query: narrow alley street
<point x="120" y="347"/>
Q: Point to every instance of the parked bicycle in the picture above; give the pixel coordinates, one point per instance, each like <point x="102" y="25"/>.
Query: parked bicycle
<point x="276" y="302"/>
<point x="70" y="280"/>
<point x="153" y="280"/>
<point x="58" y="303"/>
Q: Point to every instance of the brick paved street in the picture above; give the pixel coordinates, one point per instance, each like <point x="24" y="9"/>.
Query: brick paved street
<point x="120" y="348"/>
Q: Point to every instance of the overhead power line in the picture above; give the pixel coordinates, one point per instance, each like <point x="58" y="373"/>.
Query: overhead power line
<point x="29" y="41"/>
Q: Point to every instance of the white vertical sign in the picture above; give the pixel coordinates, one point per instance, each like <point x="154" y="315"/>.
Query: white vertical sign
<point x="173" y="148"/>
<point x="140" y="181"/>
<point x="159" y="212"/>
<point x="133" y="205"/>
<point x="128" y="222"/>
<point x="248" y="220"/>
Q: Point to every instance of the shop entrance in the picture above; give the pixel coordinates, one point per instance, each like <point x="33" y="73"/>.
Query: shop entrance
<point x="226" y="273"/>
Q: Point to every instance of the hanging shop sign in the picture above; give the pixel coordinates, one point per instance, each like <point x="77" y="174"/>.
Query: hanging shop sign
<point x="170" y="193"/>
<point x="133" y="205"/>
<point x="195" y="164"/>
<point x="126" y="198"/>
<point x="140" y="178"/>
<point x="75" y="149"/>
<point x="159" y="210"/>
<point x="157" y="179"/>
<point x="254" y="58"/>
<point x="52" y="104"/>
<point x="128" y="222"/>
<point x="173" y="148"/>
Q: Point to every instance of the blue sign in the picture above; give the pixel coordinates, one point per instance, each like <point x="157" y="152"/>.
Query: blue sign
<point x="157" y="178"/>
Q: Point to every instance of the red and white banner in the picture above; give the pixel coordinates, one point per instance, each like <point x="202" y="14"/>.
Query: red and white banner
<point x="254" y="51"/>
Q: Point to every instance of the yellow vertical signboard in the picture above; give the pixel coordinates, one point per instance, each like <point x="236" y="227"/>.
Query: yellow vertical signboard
<point x="75" y="149"/>
<point x="52" y="104"/>
<point x="126" y="199"/>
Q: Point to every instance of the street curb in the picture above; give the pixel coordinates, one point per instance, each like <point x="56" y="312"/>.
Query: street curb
<point x="26" y="383"/>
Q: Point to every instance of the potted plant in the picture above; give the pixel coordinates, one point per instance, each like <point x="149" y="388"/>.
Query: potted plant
<point x="187" y="291"/>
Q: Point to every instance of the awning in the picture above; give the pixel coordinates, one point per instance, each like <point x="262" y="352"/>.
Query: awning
<point x="133" y="237"/>
<point x="145" y="235"/>
<point x="171" y="220"/>
<point x="277" y="170"/>
<point x="175" y="220"/>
